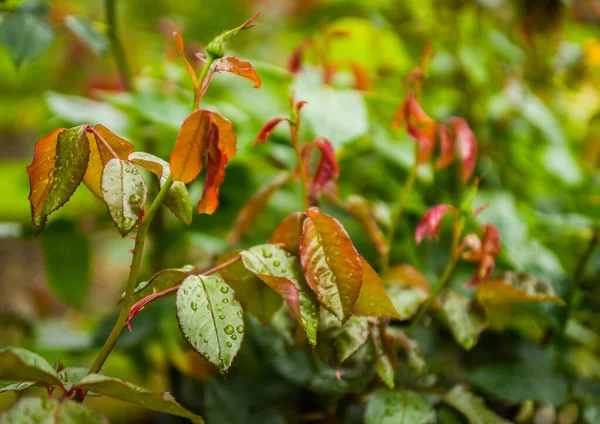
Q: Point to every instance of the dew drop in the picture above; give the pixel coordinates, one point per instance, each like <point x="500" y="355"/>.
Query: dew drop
<point x="205" y="340"/>
<point x="127" y="222"/>
<point x="224" y="289"/>
<point x="185" y="291"/>
<point x="276" y="263"/>
<point x="229" y="344"/>
<point x="229" y="329"/>
<point x="233" y="337"/>
<point x="208" y="307"/>
<point x="135" y="199"/>
<point x="221" y="316"/>
<point x="266" y="254"/>
<point x="194" y="306"/>
<point x="283" y="271"/>
<point x="240" y="314"/>
<point x="225" y="300"/>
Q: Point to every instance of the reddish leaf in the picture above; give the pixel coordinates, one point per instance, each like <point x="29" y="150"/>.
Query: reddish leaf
<point x="218" y="156"/>
<point x="429" y="226"/>
<point x="331" y="263"/>
<point x="466" y="146"/>
<point x="362" y="79"/>
<point x="181" y="49"/>
<point x="327" y="169"/>
<point x="59" y="162"/>
<point x="187" y="158"/>
<point x="100" y="155"/>
<point x="239" y="67"/>
<point x="485" y="253"/>
<point x="253" y="208"/>
<point x="447" y="151"/>
<point x="289" y="232"/>
<point x="373" y="301"/>
<point x="295" y="62"/>
<point x="267" y="129"/>
<point x="419" y="125"/>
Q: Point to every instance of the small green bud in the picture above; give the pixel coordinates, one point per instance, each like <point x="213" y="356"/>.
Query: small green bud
<point x="216" y="48"/>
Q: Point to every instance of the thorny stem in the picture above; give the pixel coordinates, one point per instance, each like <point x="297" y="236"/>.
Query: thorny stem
<point x="115" y="42"/>
<point x="148" y="299"/>
<point x="398" y="211"/>
<point x="97" y="134"/>
<point x="136" y="261"/>
<point x="294" y="129"/>
<point x="443" y="280"/>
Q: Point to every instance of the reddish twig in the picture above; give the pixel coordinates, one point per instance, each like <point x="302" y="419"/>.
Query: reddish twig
<point x="97" y="134"/>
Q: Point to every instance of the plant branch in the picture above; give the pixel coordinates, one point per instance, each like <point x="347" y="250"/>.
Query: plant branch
<point x="398" y="211"/>
<point x="443" y="280"/>
<point x="202" y="86"/>
<point x="115" y="42"/>
<point x="294" y="129"/>
<point x="148" y="299"/>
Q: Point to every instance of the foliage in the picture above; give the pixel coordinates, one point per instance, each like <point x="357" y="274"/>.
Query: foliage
<point x="429" y="257"/>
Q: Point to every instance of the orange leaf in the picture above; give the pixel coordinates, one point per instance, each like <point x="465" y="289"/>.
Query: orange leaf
<point x="373" y="301"/>
<point x="100" y="155"/>
<point x="187" y="158"/>
<point x="239" y="67"/>
<point x="218" y="156"/>
<point x="327" y="169"/>
<point x="419" y="125"/>
<point x="331" y="263"/>
<point x="362" y="79"/>
<point x="267" y="129"/>
<point x="289" y="232"/>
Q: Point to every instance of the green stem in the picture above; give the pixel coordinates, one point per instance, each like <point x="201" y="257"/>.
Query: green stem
<point x="198" y="90"/>
<point x="397" y="213"/>
<point x="132" y="279"/>
<point x="115" y="43"/>
<point x="443" y="280"/>
<point x="294" y="127"/>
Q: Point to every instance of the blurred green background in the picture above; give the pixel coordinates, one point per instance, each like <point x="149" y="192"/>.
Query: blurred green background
<point x="524" y="73"/>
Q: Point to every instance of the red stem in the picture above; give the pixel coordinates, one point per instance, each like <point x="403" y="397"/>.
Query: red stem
<point x="97" y="134"/>
<point x="138" y="306"/>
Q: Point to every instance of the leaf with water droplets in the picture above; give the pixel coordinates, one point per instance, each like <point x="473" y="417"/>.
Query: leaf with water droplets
<point x="255" y="296"/>
<point x="17" y="364"/>
<point x="15" y="386"/>
<point x="337" y="341"/>
<point x="210" y="319"/>
<point x="50" y="411"/>
<point x="465" y="317"/>
<point x="386" y="358"/>
<point x="122" y="390"/>
<point x="472" y="407"/>
<point x="331" y="263"/>
<point x="281" y="270"/>
<point x="178" y="198"/>
<point x="289" y="232"/>
<point x="373" y="301"/>
<point x="399" y="406"/>
<point x="124" y="192"/>
<point x="100" y="155"/>
<point x="59" y="162"/>
<point x="71" y="376"/>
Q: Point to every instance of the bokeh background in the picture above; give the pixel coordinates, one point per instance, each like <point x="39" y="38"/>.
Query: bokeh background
<point x="524" y="73"/>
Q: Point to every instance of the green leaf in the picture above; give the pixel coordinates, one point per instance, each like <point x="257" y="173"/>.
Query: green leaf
<point x="178" y="201"/>
<point x="407" y="288"/>
<point x="162" y="280"/>
<point x="50" y="411"/>
<point x="210" y="319"/>
<point x="18" y="364"/>
<point x="124" y="192"/>
<point x="255" y="296"/>
<point x="83" y="29"/>
<point x="49" y="192"/>
<point x="122" y="390"/>
<point x="68" y="257"/>
<point x="386" y="358"/>
<point x="25" y="35"/>
<point x="14" y="386"/>
<point x="472" y="407"/>
<point x="331" y="264"/>
<point x="338" y="342"/>
<point x="393" y="407"/>
<point x="465" y="317"/>
<point x="178" y="198"/>
<point x="281" y="270"/>
<point x="72" y="376"/>
<point x="416" y="360"/>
